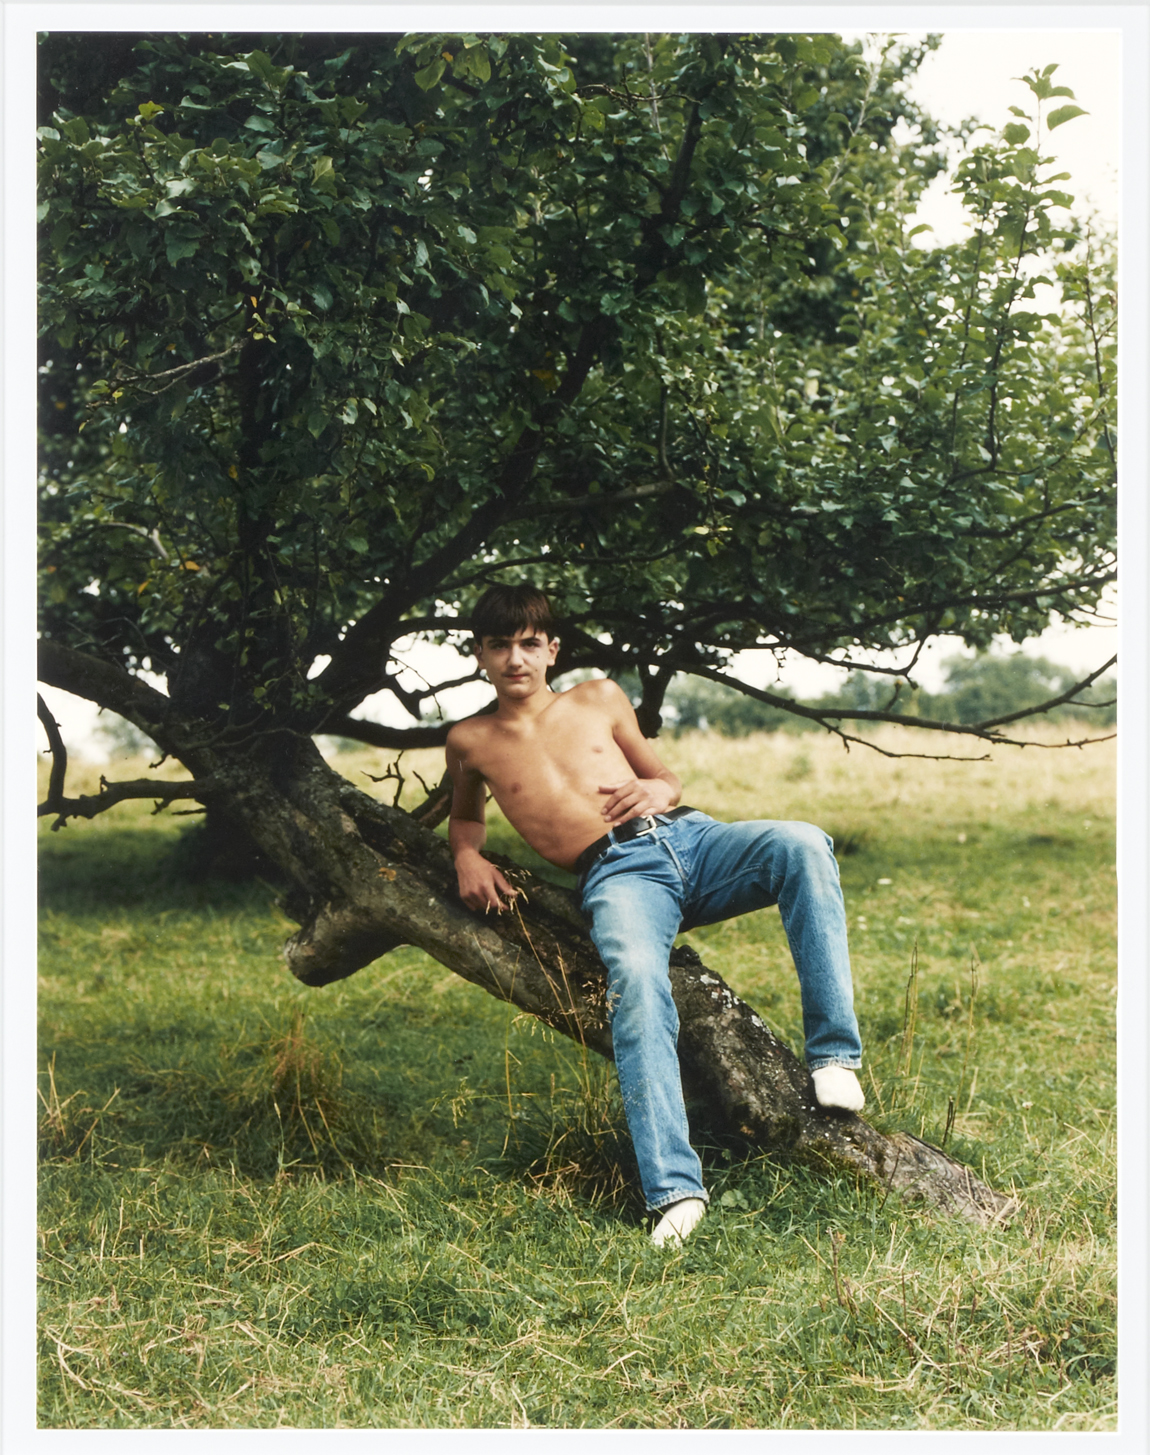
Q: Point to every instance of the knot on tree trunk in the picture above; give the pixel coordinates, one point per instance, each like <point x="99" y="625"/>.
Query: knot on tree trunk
<point x="335" y="943"/>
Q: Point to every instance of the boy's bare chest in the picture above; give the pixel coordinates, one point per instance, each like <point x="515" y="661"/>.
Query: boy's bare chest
<point x="567" y="743"/>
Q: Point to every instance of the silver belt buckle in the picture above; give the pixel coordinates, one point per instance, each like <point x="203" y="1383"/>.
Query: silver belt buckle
<point x="652" y="824"/>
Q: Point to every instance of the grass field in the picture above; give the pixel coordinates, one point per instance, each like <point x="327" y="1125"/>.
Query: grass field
<point x="377" y="1204"/>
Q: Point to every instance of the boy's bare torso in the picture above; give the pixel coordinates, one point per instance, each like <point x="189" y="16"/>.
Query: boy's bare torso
<point x="546" y="771"/>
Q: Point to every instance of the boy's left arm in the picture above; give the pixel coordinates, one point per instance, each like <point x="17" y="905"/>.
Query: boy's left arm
<point x="654" y="788"/>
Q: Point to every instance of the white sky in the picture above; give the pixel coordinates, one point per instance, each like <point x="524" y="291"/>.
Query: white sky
<point x="974" y="73"/>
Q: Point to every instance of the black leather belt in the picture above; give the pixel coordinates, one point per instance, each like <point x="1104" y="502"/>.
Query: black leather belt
<point x="634" y="828"/>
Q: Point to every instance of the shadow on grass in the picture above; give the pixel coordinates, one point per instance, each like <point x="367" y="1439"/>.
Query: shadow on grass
<point x="268" y="1107"/>
<point x="129" y="868"/>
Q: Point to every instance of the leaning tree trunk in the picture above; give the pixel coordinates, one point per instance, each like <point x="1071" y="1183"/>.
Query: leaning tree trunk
<point x="369" y="878"/>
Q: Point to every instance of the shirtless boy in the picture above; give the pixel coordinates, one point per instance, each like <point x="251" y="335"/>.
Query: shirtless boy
<point x="577" y="779"/>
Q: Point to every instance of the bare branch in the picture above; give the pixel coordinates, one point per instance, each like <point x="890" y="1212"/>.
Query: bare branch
<point x="105" y="683"/>
<point x="180" y="372"/>
<point x="783" y="645"/>
<point x="376" y="735"/>
<point x="1054" y="701"/>
<point x="89" y="805"/>
<point x="436" y="806"/>
<point x="827" y="716"/>
<point x="849" y="738"/>
<point x="1069" y="743"/>
<point x="58" y="750"/>
<point x="432" y="691"/>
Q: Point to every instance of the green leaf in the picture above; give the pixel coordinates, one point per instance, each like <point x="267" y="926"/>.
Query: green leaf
<point x="1016" y="134"/>
<point x="261" y="65"/>
<point x="180" y="246"/>
<point x="479" y="62"/>
<point x="427" y="77"/>
<point x="1063" y="114"/>
<point x="148" y="109"/>
<point x="322" y="296"/>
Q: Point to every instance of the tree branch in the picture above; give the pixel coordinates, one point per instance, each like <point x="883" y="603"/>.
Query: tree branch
<point x="89" y="805"/>
<point x="828" y="715"/>
<point x="592" y="502"/>
<point x="1054" y="701"/>
<point x="180" y="372"/>
<point x="104" y="683"/>
<point x="57" y="748"/>
<point x="376" y="735"/>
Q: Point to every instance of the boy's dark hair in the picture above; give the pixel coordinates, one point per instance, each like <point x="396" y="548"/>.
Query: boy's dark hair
<point x="504" y="610"/>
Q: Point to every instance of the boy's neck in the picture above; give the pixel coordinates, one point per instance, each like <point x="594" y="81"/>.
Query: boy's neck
<point x="520" y="707"/>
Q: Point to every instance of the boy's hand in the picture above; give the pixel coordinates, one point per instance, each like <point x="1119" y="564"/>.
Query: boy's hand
<point x="481" y="886"/>
<point x="636" y="797"/>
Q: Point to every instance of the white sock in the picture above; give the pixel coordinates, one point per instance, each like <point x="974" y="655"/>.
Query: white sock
<point x="678" y="1221"/>
<point x="838" y="1086"/>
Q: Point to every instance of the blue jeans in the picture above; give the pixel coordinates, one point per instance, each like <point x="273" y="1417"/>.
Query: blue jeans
<point x="696" y="871"/>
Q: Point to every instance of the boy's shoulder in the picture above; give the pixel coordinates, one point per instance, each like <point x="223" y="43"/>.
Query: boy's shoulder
<point x="598" y="692"/>
<point x="467" y="732"/>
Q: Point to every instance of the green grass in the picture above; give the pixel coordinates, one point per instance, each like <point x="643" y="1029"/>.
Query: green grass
<point x="396" y="1202"/>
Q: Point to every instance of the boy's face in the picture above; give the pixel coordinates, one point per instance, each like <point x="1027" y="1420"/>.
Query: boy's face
<point x="516" y="666"/>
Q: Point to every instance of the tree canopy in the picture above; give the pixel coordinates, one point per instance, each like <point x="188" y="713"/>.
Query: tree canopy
<point x="339" y="329"/>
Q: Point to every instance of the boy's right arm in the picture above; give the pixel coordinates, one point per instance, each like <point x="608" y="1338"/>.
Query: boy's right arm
<point x="481" y="885"/>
